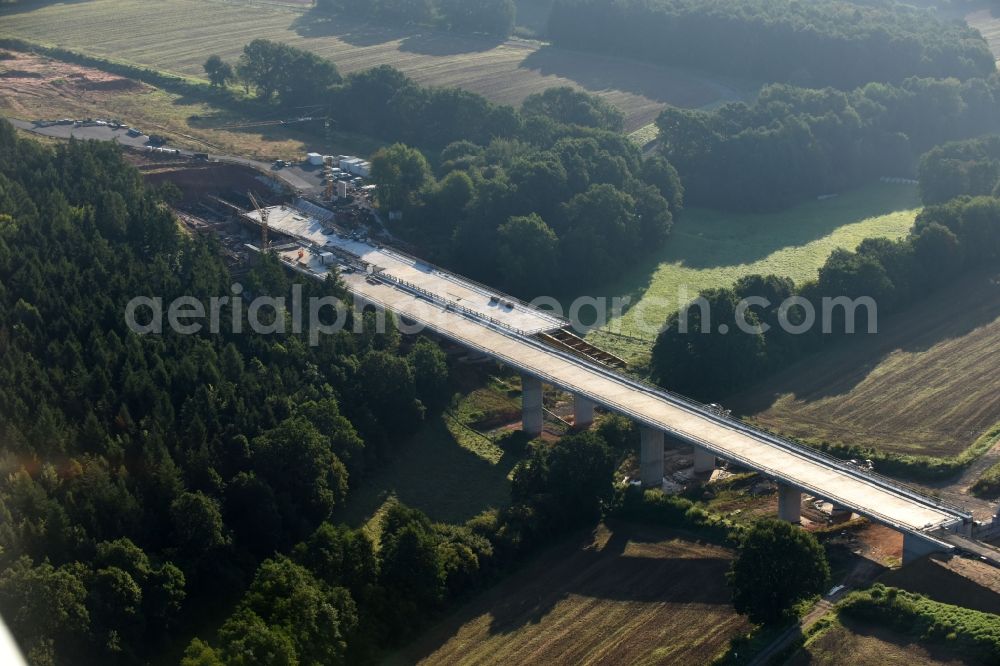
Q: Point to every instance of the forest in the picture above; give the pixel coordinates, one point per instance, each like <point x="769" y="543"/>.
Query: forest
<point x="813" y="44"/>
<point x="562" y="214"/>
<point x="795" y="143"/>
<point x="789" y="144"/>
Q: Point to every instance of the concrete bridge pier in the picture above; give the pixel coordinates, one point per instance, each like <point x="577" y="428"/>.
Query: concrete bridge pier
<point x="532" y="416"/>
<point x="583" y="412"/>
<point x="789" y="503"/>
<point x="651" y="458"/>
<point x="704" y="461"/>
<point x="915" y="547"/>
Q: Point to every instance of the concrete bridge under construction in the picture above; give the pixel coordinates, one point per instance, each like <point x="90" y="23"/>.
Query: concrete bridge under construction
<point x="537" y="344"/>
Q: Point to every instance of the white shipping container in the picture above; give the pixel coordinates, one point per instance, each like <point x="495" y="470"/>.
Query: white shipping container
<point x="315" y="159"/>
<point x="348" y="164"/>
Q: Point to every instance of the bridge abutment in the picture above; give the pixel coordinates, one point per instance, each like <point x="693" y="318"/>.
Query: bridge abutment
<point x="704" y="460"/>
<point x="583" y="411"/>
<point x="532" y="417"/>
<point x="915" y="547"/>
<point x="789" y="503"/>
<point x="651" y="458"/>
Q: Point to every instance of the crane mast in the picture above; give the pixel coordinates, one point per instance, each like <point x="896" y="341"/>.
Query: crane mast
<point x="262" y="212"/>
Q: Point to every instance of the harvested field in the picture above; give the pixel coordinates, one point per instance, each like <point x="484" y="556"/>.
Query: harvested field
<point x="178" y="35"/>
<point x="927" y="383"/>
<point x="26" y="78"/>
<point x="849" y="644"/>
<point x="627" y="594"/>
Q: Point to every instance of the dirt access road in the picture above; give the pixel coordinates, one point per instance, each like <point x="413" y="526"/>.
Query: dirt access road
<point x="301" y="178"/>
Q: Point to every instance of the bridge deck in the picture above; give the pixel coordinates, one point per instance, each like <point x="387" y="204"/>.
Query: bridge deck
<point x="444" y="285"/>
<point x="618" y="393"/>
<point x="472" y="322"/>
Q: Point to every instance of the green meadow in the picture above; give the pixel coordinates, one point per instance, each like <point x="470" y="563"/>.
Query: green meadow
<point x="710" y="248"/>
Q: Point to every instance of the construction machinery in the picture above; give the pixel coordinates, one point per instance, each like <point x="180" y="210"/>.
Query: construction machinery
<point x="262" y="212"/>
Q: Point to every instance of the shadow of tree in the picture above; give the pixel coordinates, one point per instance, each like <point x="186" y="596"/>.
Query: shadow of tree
<point x="435" y="474"/>
<point x="435" y="43"/>
<point x="12" y="8"/>
<point x="635" y="564"/>
<point x="914" y="646"/>
<point x="845" y="362"/>
<point x="709" y="239"/>
<point x="356" y="33"/>
<point x="413" y="39"/>
<point x="616" y="578"/>
<point x="597" y="73"/>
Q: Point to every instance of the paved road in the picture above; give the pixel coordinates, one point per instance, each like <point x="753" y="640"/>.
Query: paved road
<point x="983" y="551"/>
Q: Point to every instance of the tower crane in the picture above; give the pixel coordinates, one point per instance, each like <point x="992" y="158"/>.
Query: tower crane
<point x="262" y="212"/>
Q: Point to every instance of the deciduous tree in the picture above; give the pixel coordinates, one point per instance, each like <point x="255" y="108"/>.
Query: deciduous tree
<point x="778" y="565"/>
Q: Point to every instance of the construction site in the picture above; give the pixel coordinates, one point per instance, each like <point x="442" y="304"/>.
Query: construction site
<point x="334" y="230"/>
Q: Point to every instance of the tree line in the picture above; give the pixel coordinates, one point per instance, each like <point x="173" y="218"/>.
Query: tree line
<point x="959" y="168"/>
<point x="381" y="102"/>
<point x="551" y="195"/>
<point x="558" y="212"/>
<point x="491" y="17"/>
<point x="272" y="69"/>
<point x="795" y="143"/>
<point x="946" y="240"/>
<point x="814" y="44"/>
